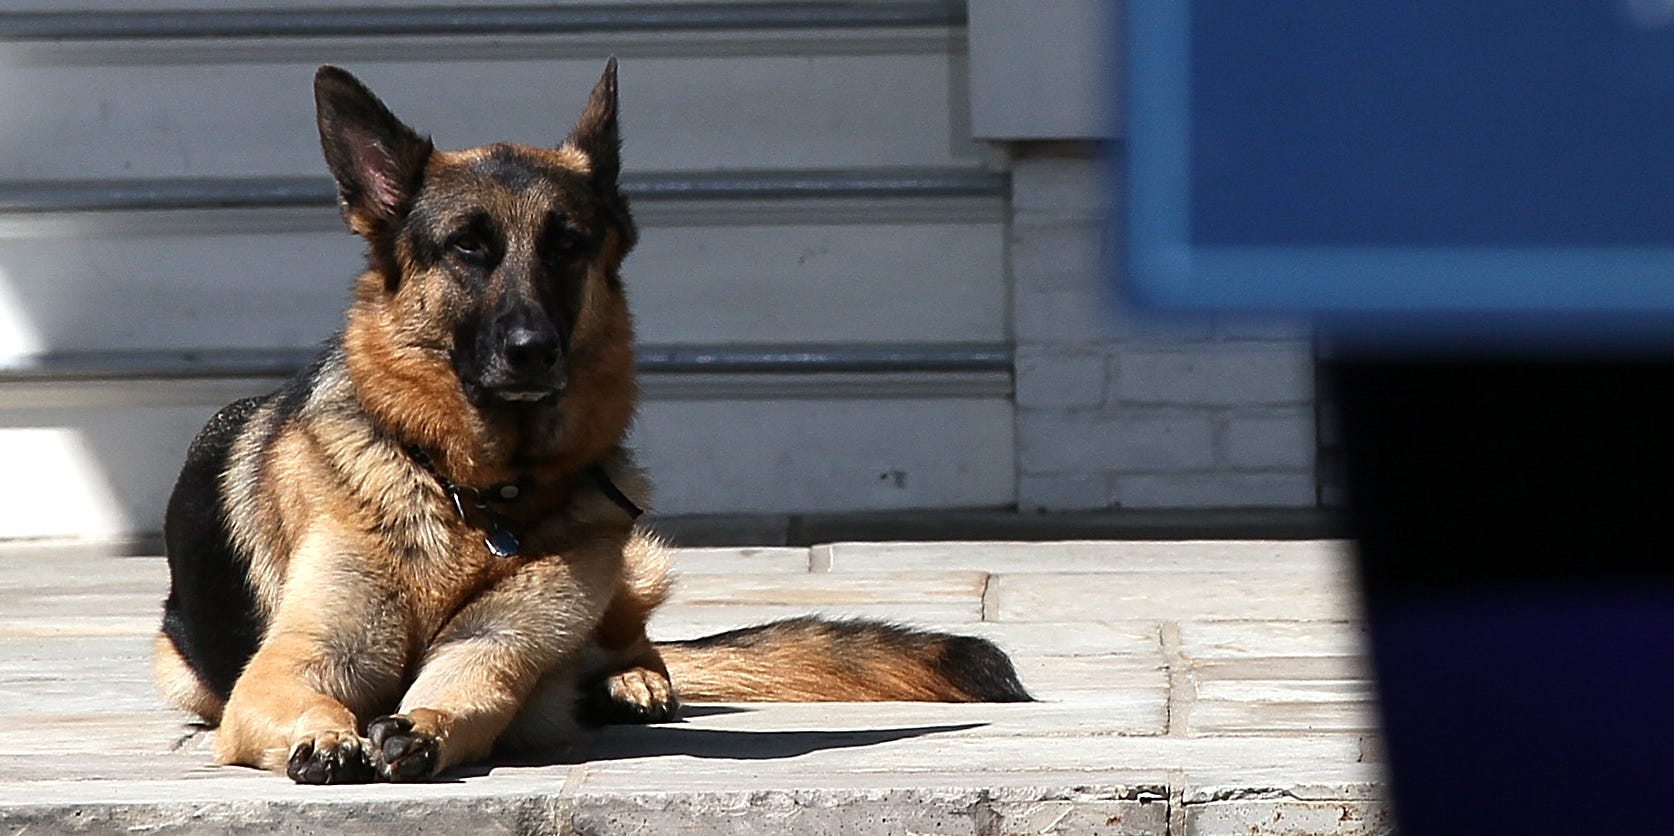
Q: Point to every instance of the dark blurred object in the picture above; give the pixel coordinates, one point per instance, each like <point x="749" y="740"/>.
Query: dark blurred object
<point x="1479" y="199"/>
<point x="1515" y="534"/>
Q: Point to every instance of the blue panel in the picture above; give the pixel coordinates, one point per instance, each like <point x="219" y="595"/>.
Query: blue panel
<point x="1366" y="156"/>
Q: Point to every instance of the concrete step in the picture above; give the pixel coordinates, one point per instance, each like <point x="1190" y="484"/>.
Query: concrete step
<point x="1202" y="714"/>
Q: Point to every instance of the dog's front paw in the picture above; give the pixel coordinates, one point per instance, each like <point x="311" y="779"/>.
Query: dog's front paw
<point x="399" y="752"/>
<point x="329" y="757"/>
<point x="636" y="695"/>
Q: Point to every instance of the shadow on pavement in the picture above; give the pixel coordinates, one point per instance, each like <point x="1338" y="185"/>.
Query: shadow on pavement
<point x="628" y="742"/>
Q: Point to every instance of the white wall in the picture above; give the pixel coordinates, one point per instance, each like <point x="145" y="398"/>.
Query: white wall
<point x="1116" y="409"/>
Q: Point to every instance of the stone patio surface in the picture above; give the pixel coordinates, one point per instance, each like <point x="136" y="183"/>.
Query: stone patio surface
<point x="1185" y="688"/>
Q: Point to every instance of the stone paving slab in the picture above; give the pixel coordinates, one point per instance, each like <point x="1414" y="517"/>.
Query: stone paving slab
<point x="1199" y="596"/>
<point x="1282" y="667"/>
<point x="1239" y="556"/>
<point x="704" y="620"/>
<point x="1071" y="638"/>
<point x="736" y="561"/>
<point x="1191" y="687"/>
<point x="1220" y="640"/>
<point x="832" y="590"/>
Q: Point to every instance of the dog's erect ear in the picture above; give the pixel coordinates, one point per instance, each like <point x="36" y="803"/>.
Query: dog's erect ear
<point x="595" y="133"/>
<point x="375" y="159"/>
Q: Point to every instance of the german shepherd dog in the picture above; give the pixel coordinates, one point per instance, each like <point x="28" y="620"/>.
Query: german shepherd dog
<point x="423" y="549"/>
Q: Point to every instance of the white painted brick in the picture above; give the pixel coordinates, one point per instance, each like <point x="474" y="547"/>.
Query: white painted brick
<point x="1061" y="184"/>
<point x="1279" y="440"/>
<point x="1216" y="490"/>
<point x="1147" y="330"/>
<point x="1061" y="442"/>
<point x="1084" y="315"/>
<point x="1061" y="254"/>
<point x="1063" y="491"/>
<point x="1065" y="294"/>
<point x="1069" y="442"/>
<point x="1051" y="377"/>
<point x="1236" y="374"/>
<point x="1162" y="442"/>
<point x="1156" y="330"/>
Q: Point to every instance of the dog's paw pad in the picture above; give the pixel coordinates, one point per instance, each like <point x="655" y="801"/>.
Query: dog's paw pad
<point x="399" y="753"/>
<point x="329" y="758"/>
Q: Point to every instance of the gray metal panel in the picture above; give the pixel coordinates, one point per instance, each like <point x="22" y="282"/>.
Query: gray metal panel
<point x="241" y="192"/>
<point x="421" y="20"/>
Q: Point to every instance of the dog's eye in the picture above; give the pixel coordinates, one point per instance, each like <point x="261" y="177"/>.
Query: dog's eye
<point x="560" y="247"/>
<point x="469" y="246"/>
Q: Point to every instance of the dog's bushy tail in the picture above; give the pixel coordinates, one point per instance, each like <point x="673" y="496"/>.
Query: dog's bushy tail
<point x="819" y="660"/>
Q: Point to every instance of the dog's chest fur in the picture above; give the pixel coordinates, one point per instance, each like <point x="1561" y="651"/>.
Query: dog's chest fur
<point x="418" y="561"/>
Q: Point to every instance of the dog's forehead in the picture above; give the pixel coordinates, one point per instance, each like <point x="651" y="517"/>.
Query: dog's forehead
<point x="520" y="167"/>
<point x="517" y="178"/>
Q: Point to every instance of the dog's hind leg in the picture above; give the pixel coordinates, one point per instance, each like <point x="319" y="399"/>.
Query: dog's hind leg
<point x="626" y="680"/>
<point x="181" y="685"/>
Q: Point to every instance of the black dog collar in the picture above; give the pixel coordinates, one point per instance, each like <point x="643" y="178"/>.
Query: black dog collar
<point x="497" y="534"/>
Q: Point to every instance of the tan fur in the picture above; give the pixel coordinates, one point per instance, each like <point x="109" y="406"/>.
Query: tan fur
<point x="180" y="685"/>
<point x="638" y="674"/>
<point x="804" y="666"/>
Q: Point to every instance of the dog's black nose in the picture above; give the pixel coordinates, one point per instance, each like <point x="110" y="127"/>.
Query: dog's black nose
<point x="530" y="350"/>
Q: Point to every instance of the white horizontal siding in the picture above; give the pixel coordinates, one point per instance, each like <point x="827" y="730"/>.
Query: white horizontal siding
<point x="921" y="267"/>
<point x="231" y="5"/>
<point x="104" y="467"/>
<point x="702" y="113"/>
<point x="105" y="281"/>
<point x="817" y="283"/>
<point x="804" y="455"/>
<point x="91" y="472"/>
